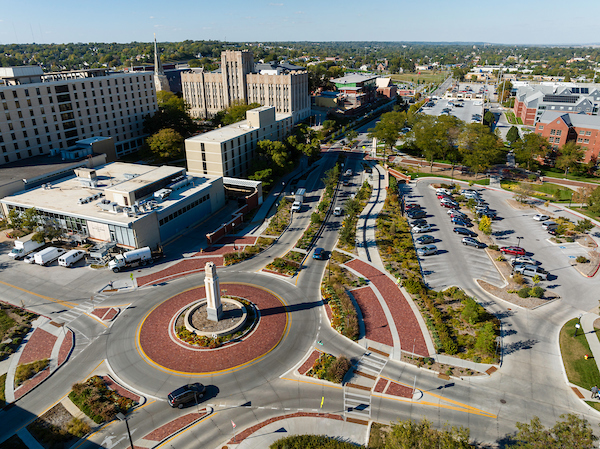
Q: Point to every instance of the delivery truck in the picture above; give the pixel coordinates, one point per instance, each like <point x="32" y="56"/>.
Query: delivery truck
<point x="24" y="246"/>
<point x="48" y="255"/>
<point x="134" y="258"/>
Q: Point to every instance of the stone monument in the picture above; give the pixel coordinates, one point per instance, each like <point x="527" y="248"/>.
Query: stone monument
<point x="214" y="308"/>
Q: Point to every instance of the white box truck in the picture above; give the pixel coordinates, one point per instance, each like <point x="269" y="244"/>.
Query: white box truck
<point x="133" y="258"/>
<point x="48" y="255"/>
<point x="71" y="257"/>
<point x="24" y="246"/>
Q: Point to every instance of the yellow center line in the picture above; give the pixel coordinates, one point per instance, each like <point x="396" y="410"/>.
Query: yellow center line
<point x="68" y="304"/>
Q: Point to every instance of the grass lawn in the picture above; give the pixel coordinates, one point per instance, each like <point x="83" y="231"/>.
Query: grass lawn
<point x="581" y="372"/>
<point x="545" y="191"/>
<point x="510" y="117"/>
<point x="426" y="174"/>
<point x="586" y="212"/>
<point x="426" y="76"/>
<point x="595" y="405"/>
<point x="555" y="173"/>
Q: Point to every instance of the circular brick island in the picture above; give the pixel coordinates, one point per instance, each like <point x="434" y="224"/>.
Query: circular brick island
<point x="159" y="345"/>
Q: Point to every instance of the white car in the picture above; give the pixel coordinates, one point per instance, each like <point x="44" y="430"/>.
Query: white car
<point x="422" y="228"/>
<point x="540" y="217"/>
<point x="523" y="260"/>
<point x="444" y="191"/>
<point x="337" y="211"/>
<point x="29" y="258"/>
<point x="547" y="225"/>
<point x="296" y="206"/>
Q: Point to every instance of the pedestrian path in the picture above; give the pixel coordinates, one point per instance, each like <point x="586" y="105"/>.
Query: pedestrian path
<point x="367" y="221"/>
<point x="357" y="391"/>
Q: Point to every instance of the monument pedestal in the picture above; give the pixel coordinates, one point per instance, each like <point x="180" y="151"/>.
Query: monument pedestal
<point x="214" y="313"/>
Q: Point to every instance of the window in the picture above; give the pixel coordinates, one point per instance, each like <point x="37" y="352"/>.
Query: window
<point x="586" y="140"/>
<point x="588" y="133"/>
<point x="581" y="133"/>
<point x="541" y="127"/>
<point x="558" y="132"/>
<point x="579" y="140"/>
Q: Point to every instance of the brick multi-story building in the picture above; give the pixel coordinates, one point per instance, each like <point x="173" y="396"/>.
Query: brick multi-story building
<point x="282" y="86"/>
<point x="532" y="101"/>
<point x="560" y="128"/>
<point x="42" y="113"/>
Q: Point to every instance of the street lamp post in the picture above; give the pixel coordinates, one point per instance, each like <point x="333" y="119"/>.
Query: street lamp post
<point x="519" y="241"/>
<point x="577" y="326"/>
<point x="122" y="417"/>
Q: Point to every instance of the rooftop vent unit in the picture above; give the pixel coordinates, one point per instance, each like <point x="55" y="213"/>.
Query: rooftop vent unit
<point x="181" y="184"/>
<point x="162" y="194"/>
<point x="130" y="175"/>
<point x="109" y="206"/>
<point x="87" y="177"/>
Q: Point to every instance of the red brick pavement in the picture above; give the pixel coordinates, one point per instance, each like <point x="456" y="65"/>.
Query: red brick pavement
<point x="182" y="268"/>
<point x="238" y="240"/>
<point x="403" y="391"/>
<point x="39" y="346"/>
<point x="380" y="386"/>
<point x="106" y="313"/>
<point x="31" y="384"/>
<point x="157" y="345"/>
<point x="174" y="426"/>
<point x="308" y="364"/>
<point x="249" y="431"/>
<point x="376" y="325"/>
<point x="406" y="323"/>
<point x="65" y="348"/>
<point x="215" y="251"/>
<point x="119" y="389"/>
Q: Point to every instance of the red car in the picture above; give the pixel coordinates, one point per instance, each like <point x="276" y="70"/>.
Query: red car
<point x="516" y="250"/>
<point x="450" y="205"/>
<point x="443" y="195"/>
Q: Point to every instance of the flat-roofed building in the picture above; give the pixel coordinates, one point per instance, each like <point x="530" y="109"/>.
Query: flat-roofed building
<point x="239" y="80"/>
<point x="44" y="113"/>
<point x="130" y="204"/>
<point x="228" y="151"/>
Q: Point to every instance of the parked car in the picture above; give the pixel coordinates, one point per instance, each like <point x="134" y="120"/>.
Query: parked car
<point x="419" y="213"/>
<point x="470" y="241"/>
<point x="531" y="271"/>
<point x="29" y="258"/>
<point x="369" y="169"/>
<point x="490" y="213"/>
<point x="540" y="217"/>
<point x="296" y="206"/>
<point x="526" y="260"/>
<point x="188" y="393"/>
<point x="345" y="183"/>
<point x="348" y="172"/>
<point x="424" y="239"/>
<point x="450" y="205"/>
<point x="464" y="223"/>
<point x="457" y="213"/>
<point x="427" y="250"/>
<point x="444" y="191"/>
<point x="516" y="250"/>
<point x="319" y="254"/>
<point x="419" y="222"/>
<point x="547" y="225"/>
<point x="465" y="231"/>
<point x="441" y="195"/>
<point x="553" y="231"/>
<point x="411" y="206"/>
<point x="422" y="228"/>
<point x="337" y="211"/>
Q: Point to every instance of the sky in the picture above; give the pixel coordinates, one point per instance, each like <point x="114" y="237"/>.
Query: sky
<point x="539" y="22"/>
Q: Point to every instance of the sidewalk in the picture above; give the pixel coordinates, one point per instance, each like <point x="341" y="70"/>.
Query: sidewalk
<point x="367" y="220"/>
<point x="267" y="432"/>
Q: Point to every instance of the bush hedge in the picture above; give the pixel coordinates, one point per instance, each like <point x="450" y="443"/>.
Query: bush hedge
<point x="99" y="402"/>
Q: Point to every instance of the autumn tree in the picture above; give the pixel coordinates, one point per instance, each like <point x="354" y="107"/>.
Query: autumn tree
<point x="572" y="432"/>
<point x="166" y="144"/>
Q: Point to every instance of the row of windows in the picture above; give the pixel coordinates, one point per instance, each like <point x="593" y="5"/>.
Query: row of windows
<point x="585" y="133"/>
<point x="556" y="132"/>
<point x="580" y="140"/>
<point x="183" y="210"/>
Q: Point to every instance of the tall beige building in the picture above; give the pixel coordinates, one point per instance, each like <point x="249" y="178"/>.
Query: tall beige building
<point x="228" y="151"/>
<point x="283" y="86"/>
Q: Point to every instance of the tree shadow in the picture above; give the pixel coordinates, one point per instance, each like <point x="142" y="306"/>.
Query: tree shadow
<point x="519" y="345"/>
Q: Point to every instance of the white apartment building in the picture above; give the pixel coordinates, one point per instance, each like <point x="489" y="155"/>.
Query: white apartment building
<point x="282" y="86"/>
<point x="228" y="151"/>
<point x="42" y="113"/>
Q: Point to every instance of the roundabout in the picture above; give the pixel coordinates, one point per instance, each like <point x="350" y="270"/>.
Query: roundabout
<point x="159" y="345"/>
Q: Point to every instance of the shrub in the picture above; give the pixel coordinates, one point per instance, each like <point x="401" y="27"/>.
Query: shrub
<point x="78" y="427"/>
<point x="584" y="225"/>
<point x="413" y="285"/>
<point x="524" y="292"/>
<point x="536" y="292"/>
<point x="582" y="259"/>
<point x="518" y="279"/>
<point x="25" y="372"/>
<point x="493" y="247"/>
<point x="338" y="369"/>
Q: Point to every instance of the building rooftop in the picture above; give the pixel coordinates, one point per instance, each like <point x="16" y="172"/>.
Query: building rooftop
<point x="354" y="78"/>
<point x="577" y="120"/>
<point x="234" y="130"/>
<point x="63" y="196"/>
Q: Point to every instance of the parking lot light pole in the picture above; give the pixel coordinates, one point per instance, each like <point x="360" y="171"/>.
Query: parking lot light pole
<point x="122" y="417"/>
<point x="519" y="241"/>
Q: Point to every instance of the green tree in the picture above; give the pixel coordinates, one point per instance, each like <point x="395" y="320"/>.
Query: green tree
<point x="530" y="147"/>
<point x="49" y="231"/>
<point x="485" y="342"/>
<point x="30" y="218"/>
<point x="479" y="147"/>
<point x="234" y="113"/>
<point x="485" y="225"/>
<point x="513" y="134"/>
<point x="593" y="201"/>
<point x="572" y="432"/>
<point x="172" y="113"/>
<point x="387" y="129"/>
<point x="15" y="219"/>
<point x="166" y="144"/>
<point x="570" y="155"/>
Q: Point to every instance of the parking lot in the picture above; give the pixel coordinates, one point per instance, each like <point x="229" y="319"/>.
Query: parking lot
<point x="456" y="264"/>
<point x="464" y="113"/>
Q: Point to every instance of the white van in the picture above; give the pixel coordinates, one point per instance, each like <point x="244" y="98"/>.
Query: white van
<point x="71" y="257"/>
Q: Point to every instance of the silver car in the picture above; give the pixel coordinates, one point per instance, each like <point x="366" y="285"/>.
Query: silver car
<point x="427" y="250"/>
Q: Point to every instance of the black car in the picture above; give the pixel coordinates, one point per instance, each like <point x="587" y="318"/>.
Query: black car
<point x="490" y="214"/>
<point x="368" y="170"/>
<point x="465" y="231"/>
<point x="418" y="221"/>
<point x="412" y="214"/>
<point x="188" y="393"/>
